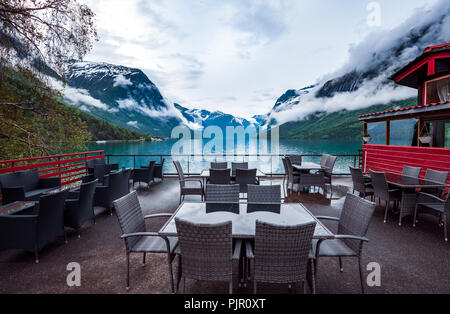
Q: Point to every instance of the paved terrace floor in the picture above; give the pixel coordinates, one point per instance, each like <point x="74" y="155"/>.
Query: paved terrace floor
<point x="412" y="260"/>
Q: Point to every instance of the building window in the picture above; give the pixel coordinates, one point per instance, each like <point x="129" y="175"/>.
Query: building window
<point x="438" y="90"/>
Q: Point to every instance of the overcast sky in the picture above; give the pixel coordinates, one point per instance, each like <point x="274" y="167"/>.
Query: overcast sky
<point x="237" y="56"/>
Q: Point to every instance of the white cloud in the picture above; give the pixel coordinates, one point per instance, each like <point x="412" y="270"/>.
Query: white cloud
<point x="121" y="80"/>
<point x="133" y="124"/>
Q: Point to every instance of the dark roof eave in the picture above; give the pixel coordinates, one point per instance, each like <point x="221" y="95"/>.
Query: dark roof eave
<point x="405" y="111"/>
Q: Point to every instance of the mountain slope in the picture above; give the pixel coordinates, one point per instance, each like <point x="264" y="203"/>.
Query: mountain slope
<point x="119" y="95"/>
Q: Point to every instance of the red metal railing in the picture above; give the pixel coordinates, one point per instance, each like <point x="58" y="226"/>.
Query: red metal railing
<point x="68" y="167"/>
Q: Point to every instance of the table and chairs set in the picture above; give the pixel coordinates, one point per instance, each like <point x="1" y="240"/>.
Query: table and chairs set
<point x="272" y="241"/>
<point x="408" y="193"/>
<point x="300" y="176"/>
<point x="36" y="211"/>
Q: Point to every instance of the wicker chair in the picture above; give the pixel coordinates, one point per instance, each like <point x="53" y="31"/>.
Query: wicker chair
<point x="137" y="238"/>
<point x="117" y="187"/>
<point x="238" y="165"/>
<point x="382" y="191"/>
<point x="413" y="172"/>
<point x="79" y="207"/>
<point x="292" y="178"/>
<point x="219" y="176"/>
<point x="295" y="159"/>
<point x="206" y="252"/>
<point x="436" y="176"/>
<point x="188" y="185"/>
<point x="32" y="232"/>
<point x="228" y="193"/>
<point x="351" y="234"/>
<point x="244" y="177"/>
<point x="264" y="198"/>
<point x="360" y="185"/>
<point x="144" y="174"/>
<point x="431" y="204"/>
<point x="219" y="165"/>
<point x="100" y="172"/>
<point x="280" y="254"/>
<point x="323" y="160"/>
<point x="328" y="172"/>
<point x="159" y="170"/>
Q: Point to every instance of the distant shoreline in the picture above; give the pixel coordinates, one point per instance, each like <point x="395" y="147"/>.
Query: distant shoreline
<point x="156" y="139"/>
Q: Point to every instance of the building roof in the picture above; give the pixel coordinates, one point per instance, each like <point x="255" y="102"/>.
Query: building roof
<point x="406" y="111"/>
<point x="422" y="66"/>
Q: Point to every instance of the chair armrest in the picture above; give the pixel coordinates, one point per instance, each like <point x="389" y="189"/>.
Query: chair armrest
<point x="50" y="182"/>
<point x="249" y="250"/>
<point x="13" y="194"/>
<point x="328" y="218"/>
<point x="194" y="180"/>
<point x="237" y="250"/>
<point x="71" y="204"/>
<point x="74" y="195"/>
<point x="429" y="197"/>
<point x="140" y="234"/>
<point x="158" y="215"/>
<point x="350" y="237"/>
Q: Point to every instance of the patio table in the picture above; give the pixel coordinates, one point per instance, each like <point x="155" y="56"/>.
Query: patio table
<point x="16" y="207"/>
<point x="259" y="174"/>
<point x="307" y="166"/>
<point x="244" y="223"/>
<point x="408" y="185"/>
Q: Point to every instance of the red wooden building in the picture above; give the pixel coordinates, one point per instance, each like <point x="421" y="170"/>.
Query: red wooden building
<point x="430" y="75"/>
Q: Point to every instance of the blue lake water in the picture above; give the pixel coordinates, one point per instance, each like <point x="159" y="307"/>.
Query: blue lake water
<point x="197" y="164"/>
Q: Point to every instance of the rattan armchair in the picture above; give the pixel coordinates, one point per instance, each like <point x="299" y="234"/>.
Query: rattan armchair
<point x="219" y="176"/>
<point x="436" y="176"/>
<point x="245" y="177"/>
<point x="280" y="254"/>
<point x="351" y="234"/>
<point x="238" y="165"/>
<point x="382" y="191"/>
<point x="360" y="185"/>
<point x="188" y="185"/>
<point x="219" y="165"/>
<point x="137" y="238"/>
<point x="431" y="204"/>
<point x="413" y="172"/>
<point x="206" y="252"/>
<point x="144" y="174"/>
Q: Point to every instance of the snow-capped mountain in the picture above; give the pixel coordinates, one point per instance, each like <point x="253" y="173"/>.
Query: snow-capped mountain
<point x="217" y="118"/>
<point x="120" y="95"/>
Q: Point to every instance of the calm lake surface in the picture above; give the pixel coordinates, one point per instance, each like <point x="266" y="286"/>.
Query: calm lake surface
<point x="197" y="164"/>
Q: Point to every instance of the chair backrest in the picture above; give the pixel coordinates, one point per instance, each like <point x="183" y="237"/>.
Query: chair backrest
<point x="290" y="170"/>
<point x="219" y="165"/>
<point x="100" y="171"/>
<point x="238" y="165"/>
<point x="286" y="171"/>
<point x="323" y="161"/>
<point x="329" y="165"/>
<point x="413" y="172"/>
<point x="219" y="176"/>
<point x="295" y="159"/>
<point x="355" y="219"/>
<point x="151" y="168"/>
<point x="380" y="185"/>
<point x="119" y="184"/>
<point x="228" y="193"/>
<point x="264" y="194"/>
<point x="130" y="216"/>
<point x="87" y="191"/>
<point x="28" y="179"/>
<point x="358" y="180"/>
<point x="244" y="177"/>
<point x="162" y="162"/>
<point x="92" y="162"/>
<point x="179" y="171"/>
<point x="51" y="216"/>
<point x="206" y="250"/>
<point x="436" y="176"/>
<point x="281" y="252"/>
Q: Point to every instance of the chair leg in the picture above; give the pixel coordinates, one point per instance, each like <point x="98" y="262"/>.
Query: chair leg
<point x="445" y="228"/>
<point x="184" y="285"/>
<point x="65" y="238"/>
<point x="341" y="269"/>
<point x="255" y="286"/>
<point x="313" y="277"/>
<point x="386" y="211"/>
<point x="415" y="216"/>
<point x="79" y="233"/>
<point x="230" y="288"/>
<point x="361" y="276"/>
<point x="143" y="259"/>
<point x="172" y="284"/>
<point x="128" y="271"/>
<point x="36" y="256"/>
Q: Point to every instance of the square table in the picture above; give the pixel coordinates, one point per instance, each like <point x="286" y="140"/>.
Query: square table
<point x="16" y="207"/>
<point x="244" y="224"/>
<point x="307" y="166"/>
<point x="408" y="185"/>
<point x="259" y="174"/>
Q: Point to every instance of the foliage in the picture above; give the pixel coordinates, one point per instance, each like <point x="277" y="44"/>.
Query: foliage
<point x="47" y="30"/>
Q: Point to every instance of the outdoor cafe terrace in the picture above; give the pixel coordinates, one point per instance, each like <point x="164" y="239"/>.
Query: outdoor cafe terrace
<point x="412" y="260"/>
